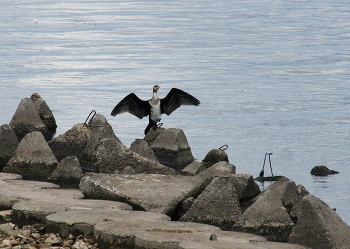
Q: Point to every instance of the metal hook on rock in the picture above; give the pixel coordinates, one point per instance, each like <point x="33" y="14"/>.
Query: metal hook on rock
<point x="159" y="125"/>
<point x="224" y="147"/>
<point x="89" y="116"/>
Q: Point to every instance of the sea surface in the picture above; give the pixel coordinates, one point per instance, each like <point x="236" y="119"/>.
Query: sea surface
<point x="272" y="76"/>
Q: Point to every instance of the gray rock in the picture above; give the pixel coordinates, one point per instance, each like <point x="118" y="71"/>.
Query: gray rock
<point x="322" y="171"/>
<point x="141" y="147"/>
<point x="26" y="119"/>
<point x="68" y="173"/>
<point x="193" y="169"/>
<point x="219" y="169"/>
<point x="35" y="211"/>
<point x="246" y="187"/>
<point x="82" y="221"/>
<point x="183" y="207"/>
<point x="150" y="192"/>
<point x="152" y="135"/>
<point x="33" y="158"/>
<point x="72" y="142"/>
<point x="172" y="149"/>
<point x="111" y="156"/>
<point x="8" y="144"/>
<point x="44" y="112"/>
<point x="217" y="205"/>
<point x="179" y="235"/>
<point x="268" y="216"/>
<point x="214" y="156"/>
<point x="318" y="226"/>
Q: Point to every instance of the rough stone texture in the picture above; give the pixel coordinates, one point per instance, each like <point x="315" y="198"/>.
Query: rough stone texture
<point x="8" y="144"/>
<point x="110" y="156"/>
<point x="214" y="156"/>
<point x="268" y="215"/>
<point x="68" y="173"/>
<point x="33" y="158"/>
<point x="193" y="169"/>
<point x="141" y="147"/>
<point x="82" y="221"/>
<point x="150" y="192"/>
<point x="322" y="171"/>
<point x="219" y="169"/>
<point x="318" y="226"/>
<point x="176" y="235"/>
<point x="44" y="112"/>
<point x="153" y="135"/>
<point x="72" y="142"/>
<point x="217" y="205"/>
<point x="172" y="149"/>
<point x="26" y="119"/>
<point x="183" y="207"/>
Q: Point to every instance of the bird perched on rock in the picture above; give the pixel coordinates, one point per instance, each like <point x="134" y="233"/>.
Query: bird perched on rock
<point x="154" y="107"/>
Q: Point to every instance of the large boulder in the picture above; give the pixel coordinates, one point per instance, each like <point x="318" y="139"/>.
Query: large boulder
<point x="33" y="158"/>
<point x="193" y="168"/>
<point x="172" y="149"/>
<point x="72" y="142"/>
<point x="141" y="147"/>
<point x="8" y="144"/>
<point x="269" y="215"/>
<point x="214" y="156"/>
<point x="217" y="205"/>
<point x="99" y="129"/>
<point x="146" y="192"/>
<point x="219" y="169"/>
<point x="44" y="112"/>
<point x="110" y="156"/>
<point x="26" y="119"/>
<point x="318" y="226"/>
<point x="68" y="173"/>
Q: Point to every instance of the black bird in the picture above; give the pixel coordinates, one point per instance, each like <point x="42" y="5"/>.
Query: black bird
<point x="154" y="107"/>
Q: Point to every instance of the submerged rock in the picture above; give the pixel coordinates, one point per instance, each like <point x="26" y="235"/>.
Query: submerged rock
<point x="322" y="171"/>
<point x="33" y="158"/>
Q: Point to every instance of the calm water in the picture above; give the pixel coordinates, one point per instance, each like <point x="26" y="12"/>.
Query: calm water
<point x="272" y="76"/>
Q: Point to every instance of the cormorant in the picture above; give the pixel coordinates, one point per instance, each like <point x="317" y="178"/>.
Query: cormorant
<point x="155" y="106"/>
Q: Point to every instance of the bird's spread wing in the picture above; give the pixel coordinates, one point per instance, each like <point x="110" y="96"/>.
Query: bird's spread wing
<point x="175" y="99"/>
<point x="133" y="105"/>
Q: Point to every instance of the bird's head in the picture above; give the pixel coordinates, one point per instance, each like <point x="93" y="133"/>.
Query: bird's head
<point x="155" y="88"/>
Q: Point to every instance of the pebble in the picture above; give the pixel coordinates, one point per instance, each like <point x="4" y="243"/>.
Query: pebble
<point x="34" y="237"/>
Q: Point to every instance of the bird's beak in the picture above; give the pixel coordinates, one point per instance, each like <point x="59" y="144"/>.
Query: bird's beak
<point x="158" y="87"/>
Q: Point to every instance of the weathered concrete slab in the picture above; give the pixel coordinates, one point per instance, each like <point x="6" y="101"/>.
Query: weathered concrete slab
<point x="150" y="192"/>
<point x="193" y="169"/>
<point x="82" y="221"/>
<point x="177" y="235"/>
<point x="318" y="226"/>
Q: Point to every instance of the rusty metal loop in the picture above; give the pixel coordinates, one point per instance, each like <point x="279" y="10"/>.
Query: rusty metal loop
<point x="89" y="116"/>
<point x="159" y="125"/>
<point x="224" y="147"/>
